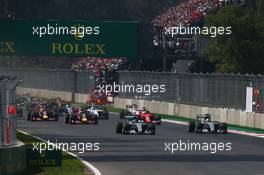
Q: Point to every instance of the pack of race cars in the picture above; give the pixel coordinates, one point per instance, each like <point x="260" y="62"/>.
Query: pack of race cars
<point x="133" y="120"/>
<point x="133" y="125"/>
<point x="137" y="121"/>
<point x="51" y="110"/>
<point x="85" y="115"/>
<point x="142" y="114"/>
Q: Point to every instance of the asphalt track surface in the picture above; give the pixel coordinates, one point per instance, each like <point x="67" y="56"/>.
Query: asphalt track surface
<point x="146" y="155"/>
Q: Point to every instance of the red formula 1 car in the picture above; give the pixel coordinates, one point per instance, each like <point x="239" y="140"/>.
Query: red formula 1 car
<point x="148" y="117"/>
<point x="142" y="114"/>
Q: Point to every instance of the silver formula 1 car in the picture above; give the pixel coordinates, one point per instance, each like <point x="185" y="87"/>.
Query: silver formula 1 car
<point x="100" y="111"/>
<point x="203" y="124"/>
<point x="132" y="125"/>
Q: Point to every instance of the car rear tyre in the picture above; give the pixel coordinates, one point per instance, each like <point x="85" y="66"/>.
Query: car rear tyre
<point x="122" y="114"/>
<point x="34" y="116"/>
<point x="67" y="119"/>
<point x="56" y="117"/>
<point x="126" y="129"/>
<point x="29" y="116"/>
<point x="158" y="120"/>
<point x="19" y="112"/>
<point x="223" y="128"/>
<point x="199" y="128"/>
<point x="107" y="115"/>
<point x="96" y="121"/>
<point x="119" y="128"/>
<point x="191" y="126"/>
<point x="152" y="129"/>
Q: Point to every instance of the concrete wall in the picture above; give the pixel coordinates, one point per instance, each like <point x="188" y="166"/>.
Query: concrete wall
<point x="42" y="93"/>
<point x="231" y="116"/>
<point x="80" y="98"/>
<point x="13" y="159"/>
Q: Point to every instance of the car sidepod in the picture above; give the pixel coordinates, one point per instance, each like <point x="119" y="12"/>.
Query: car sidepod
<point x="103" y="114"/>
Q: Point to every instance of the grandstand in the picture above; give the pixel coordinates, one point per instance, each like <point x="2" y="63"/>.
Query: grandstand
<point x="190" y="13"/>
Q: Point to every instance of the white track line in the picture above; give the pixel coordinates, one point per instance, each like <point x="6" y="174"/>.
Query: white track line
<point x="175" y="122"/>
<point x="87" y="164"/>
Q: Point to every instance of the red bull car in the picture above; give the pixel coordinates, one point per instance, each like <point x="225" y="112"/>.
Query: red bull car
<point x="42" y="112"/>
<point x="80" y="116"/>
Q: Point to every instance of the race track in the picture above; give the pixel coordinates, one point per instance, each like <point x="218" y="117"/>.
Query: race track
<point x="146" y="155"/>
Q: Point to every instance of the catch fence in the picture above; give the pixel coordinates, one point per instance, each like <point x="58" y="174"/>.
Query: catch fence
<point x="214" y="90"/>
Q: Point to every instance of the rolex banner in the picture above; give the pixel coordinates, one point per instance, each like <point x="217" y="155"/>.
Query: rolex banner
<point x="47" y="158"/>
<point x="75" y="38"/>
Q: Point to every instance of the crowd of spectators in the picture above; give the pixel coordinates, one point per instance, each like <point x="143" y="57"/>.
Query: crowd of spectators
<point x="189" y="12"/>
<point x="105" y="71"/>
<point x="99" y="66"/>
<point x="94" y="64"/>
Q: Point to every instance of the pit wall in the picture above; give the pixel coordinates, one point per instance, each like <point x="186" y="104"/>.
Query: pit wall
<point x="49" y="94"/>
<point x="230" y="116"/>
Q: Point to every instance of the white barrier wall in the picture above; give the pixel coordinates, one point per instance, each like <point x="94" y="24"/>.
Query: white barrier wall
<point x="80" y="98"/>
<point x="231" y="116"/>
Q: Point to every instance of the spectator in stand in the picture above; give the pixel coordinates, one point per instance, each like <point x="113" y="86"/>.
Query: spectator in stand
<point x="99" y="66"/>
<point x="190" y="12"/>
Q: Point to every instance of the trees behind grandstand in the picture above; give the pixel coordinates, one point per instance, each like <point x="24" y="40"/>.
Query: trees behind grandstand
<point x="243" y="50"/>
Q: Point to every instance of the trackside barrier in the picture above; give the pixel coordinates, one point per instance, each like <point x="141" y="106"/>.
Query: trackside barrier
<point x="53" y="80"/>
<point x="12" y="151"/>
<point x="8" y="123"/>
<point x="201" y="89"/>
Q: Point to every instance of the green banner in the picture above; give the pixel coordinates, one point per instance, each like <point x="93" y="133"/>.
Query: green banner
<point x="45" y="159"/>
<point x="74" y="38"/>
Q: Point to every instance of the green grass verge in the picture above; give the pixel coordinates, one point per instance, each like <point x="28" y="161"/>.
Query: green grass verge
<point x="182" y="119"/>
<point x="70" y="164"/>
<point x="113" y="109"/>
<point x="78" y="104"/>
